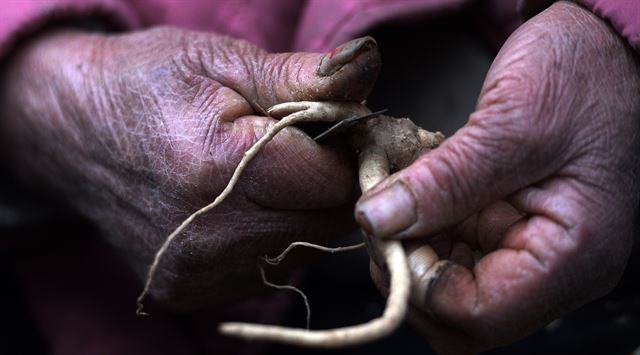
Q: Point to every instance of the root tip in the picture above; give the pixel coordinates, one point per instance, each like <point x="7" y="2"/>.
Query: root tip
<point x="228" y="329"/>
<point x="139" y="310"/>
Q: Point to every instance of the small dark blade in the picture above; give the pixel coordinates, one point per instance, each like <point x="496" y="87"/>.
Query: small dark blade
<point x="344" y="125"/>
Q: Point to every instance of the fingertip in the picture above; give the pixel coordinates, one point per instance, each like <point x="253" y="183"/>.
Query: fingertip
<point x="336" y="59"/>
<point x="388" y="212"/>
<point x="450" y="295"/>
<point x="347" y="73"/>
<point x="354" y="79"/>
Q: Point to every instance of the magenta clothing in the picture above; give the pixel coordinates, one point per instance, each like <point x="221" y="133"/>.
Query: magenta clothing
<point x="624" y="15"/>
<point x="62" y="296"/>
<point x="285" y="25"/>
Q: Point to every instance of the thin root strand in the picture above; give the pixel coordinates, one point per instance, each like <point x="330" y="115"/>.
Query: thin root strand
<point x="291" y="288"/>
<point x="394" y="314"/>
<point x="278" y="259"/>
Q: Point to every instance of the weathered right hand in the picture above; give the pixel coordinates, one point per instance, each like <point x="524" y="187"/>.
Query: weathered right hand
<point x="541" y="183"/>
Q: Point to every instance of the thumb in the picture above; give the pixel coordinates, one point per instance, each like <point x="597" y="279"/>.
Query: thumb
<point x="348" y="72"/>
<point x="484" y="161"/>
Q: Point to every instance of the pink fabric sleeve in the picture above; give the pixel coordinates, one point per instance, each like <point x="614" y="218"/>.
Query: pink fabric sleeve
<point x="624" y="15"/>
<point x="21" y="18"/>
<point x="267" y="23"/>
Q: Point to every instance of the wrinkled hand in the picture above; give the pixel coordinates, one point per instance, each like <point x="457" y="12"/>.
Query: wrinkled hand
<point x="137" y="131"/>
<point x="541" y="184"/>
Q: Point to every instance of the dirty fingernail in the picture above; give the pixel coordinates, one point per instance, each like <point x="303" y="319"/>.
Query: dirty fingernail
<point x="388" y="212"/>
<point x="343" y="54"/>
<point x="430" y="282"/>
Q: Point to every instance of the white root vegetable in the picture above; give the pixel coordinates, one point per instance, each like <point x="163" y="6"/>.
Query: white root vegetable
<point x="384" y="144"/>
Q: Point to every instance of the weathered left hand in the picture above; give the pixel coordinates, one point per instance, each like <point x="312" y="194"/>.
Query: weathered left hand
<point x="138" y="130"/>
